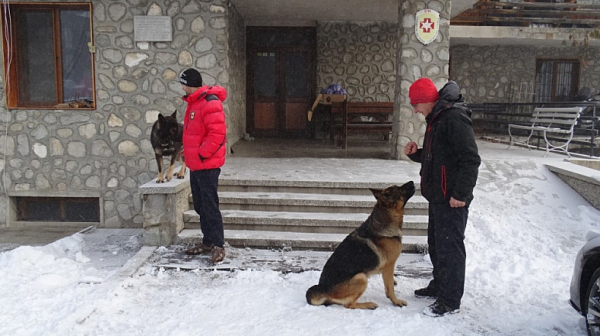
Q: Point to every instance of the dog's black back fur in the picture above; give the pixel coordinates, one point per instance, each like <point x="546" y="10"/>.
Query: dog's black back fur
<point x="166" y="135"/>
<point x="166" y="140"/>
<point x="352" y="256"/>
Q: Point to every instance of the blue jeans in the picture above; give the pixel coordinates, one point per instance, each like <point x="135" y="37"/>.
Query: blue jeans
<point x="204" y="185"/>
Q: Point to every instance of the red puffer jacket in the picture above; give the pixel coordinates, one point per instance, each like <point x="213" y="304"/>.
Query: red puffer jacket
<point x="204" y="129"/>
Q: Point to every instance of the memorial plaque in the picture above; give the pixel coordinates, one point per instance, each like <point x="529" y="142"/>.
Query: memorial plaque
<point x="152" y="28"/>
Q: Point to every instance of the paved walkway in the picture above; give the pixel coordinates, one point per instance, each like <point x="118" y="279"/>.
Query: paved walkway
<point x="285" y="261"/>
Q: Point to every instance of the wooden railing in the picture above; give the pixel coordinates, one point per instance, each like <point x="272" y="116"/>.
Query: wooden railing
<point x="360" y="117"/>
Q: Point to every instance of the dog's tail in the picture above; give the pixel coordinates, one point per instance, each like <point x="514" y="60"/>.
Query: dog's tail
<point x="315" y="296"/>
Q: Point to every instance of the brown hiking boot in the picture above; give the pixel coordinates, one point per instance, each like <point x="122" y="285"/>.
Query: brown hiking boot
<point x="217" y="254"/>
<point x="199" y="249"/>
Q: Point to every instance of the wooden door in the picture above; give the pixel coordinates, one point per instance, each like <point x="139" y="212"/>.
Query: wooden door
<point x="280" y="83"/>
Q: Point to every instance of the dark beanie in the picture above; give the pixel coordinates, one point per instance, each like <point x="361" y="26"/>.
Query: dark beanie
<point x="191" y="78"/>
<point x="423" y="91"/>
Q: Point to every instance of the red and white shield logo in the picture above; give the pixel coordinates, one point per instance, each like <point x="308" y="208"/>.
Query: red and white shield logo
<point x="427" y="26"/>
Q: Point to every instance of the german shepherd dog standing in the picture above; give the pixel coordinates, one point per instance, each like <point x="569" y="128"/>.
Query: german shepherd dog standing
<point x="166" y="141"/>
<point x="371" y="249"/>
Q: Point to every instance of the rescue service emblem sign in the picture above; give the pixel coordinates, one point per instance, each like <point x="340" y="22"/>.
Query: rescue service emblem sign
<point x="427" y="25"/>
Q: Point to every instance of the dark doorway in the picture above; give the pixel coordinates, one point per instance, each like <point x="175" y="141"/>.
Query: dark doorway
<point x="280" y="80"/>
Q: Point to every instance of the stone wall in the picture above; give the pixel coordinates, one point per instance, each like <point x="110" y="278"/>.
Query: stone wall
<point x="108" y="150"/>
<point x="416" y="60"/>
<point x="236" y="53"/>
<point x="361" y="56"/>
<point x="503" y="74"/>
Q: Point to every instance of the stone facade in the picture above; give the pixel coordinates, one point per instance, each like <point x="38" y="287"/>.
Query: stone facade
<point x="107" y="151"/>
<point x="361" y="56"/>
<point x="416" y="60"/>
<point x="236" y="90"/>
<point x="506" y="74"/>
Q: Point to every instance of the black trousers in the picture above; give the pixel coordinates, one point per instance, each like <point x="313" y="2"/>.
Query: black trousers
<point x="445" y="236"/>
<point x="204" y="185"/>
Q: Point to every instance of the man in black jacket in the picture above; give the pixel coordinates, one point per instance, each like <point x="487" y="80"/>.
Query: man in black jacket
<point x="449" y="167"/>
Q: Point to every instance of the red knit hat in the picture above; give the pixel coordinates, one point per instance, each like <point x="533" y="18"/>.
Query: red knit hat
<point x="423" y="91"/>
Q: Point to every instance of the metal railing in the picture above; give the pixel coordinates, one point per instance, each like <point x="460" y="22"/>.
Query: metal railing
<point x="491" y="119"/>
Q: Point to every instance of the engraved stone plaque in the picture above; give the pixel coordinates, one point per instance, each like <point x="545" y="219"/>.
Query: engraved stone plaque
<point x="152" y="28"/>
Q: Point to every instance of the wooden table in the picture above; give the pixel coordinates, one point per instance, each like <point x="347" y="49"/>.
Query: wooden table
<point x="360" y="117"/>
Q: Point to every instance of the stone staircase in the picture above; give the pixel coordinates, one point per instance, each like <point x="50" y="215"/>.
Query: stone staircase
<point x="310" y="215"/>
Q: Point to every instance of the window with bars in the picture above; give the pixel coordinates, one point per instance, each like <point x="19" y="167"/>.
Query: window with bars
<point x="58" y="209"/>
<point x="47" y="60"/>
<point x="556" y="80"/>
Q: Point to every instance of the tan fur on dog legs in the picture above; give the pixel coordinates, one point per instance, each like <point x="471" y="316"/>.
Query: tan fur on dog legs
<point x="348" y="293"/>
<point x="388" y="281"/>
<point x="181" y="173"/>
<point x="392" y="251"/>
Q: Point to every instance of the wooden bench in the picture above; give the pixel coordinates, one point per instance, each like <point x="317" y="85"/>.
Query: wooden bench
<point x="360" y="117"/>
<point x="557" y="120"/>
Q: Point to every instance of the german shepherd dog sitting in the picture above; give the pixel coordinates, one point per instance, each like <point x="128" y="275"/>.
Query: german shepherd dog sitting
<point x="371" y="249"/>
<point x="166" y="140"/>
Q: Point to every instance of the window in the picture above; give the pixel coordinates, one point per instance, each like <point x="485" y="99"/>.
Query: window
<point x="47" y="59"/>
<point x="556" y="80"/>
<point x="58" y="209"/>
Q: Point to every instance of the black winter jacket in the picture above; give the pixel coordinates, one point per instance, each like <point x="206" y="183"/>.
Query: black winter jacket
<point x="449" y="157"/>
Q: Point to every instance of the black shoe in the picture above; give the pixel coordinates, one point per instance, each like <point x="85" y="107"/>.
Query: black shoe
<point x="426" y="292"/>
<point x="438" y="309"/>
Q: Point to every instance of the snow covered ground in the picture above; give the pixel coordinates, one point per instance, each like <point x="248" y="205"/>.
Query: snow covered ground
<point x="524" y="230"/>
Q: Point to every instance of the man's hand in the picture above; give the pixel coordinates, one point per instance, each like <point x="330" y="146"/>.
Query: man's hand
<point x="410" y="148"/>
<point x="456" y="204"/>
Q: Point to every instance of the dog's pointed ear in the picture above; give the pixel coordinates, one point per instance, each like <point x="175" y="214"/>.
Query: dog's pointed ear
<point x="376" y="192"/>
<point x="174" y="115"/>
<point x="161" y="119"/>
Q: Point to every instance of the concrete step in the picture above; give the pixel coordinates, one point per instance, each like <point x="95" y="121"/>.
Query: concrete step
<point x="308" y="222"/>
<point x="306" y="187"/>
<point x="300" y="202"/>
<point x="294" y="240"/>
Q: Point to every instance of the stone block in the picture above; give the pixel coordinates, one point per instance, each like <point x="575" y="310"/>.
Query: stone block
<point x="163" y="205"/>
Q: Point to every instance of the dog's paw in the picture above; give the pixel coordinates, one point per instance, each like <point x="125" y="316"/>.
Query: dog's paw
<point x="400" y="303"/>
<point x="361" y="305"/>
<point x="371" y="305"/>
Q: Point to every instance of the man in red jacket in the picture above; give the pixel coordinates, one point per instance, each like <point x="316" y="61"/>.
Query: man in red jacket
<point x="204" y="149"/>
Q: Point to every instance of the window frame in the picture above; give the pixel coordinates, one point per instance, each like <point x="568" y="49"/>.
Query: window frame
<point x="575" y="77"/>
<point x="22" y="204"/>
<point x="10" y="53"/>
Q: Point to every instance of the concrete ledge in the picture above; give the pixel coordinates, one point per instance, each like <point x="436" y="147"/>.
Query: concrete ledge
<point x="295" y="240"/>
<point x="584" y="180"/>
<point x="133" y="264"/>
<point x="302" y="219"/>
<point x="163" y="205"/>
<point x="172" y="187"/>
<point x="232" y="181"/>
<point x="546" y="36"/>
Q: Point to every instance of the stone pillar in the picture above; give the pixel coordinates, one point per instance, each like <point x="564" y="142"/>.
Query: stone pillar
<point x="163" y="205"/>
<point x="416" y="60"/>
